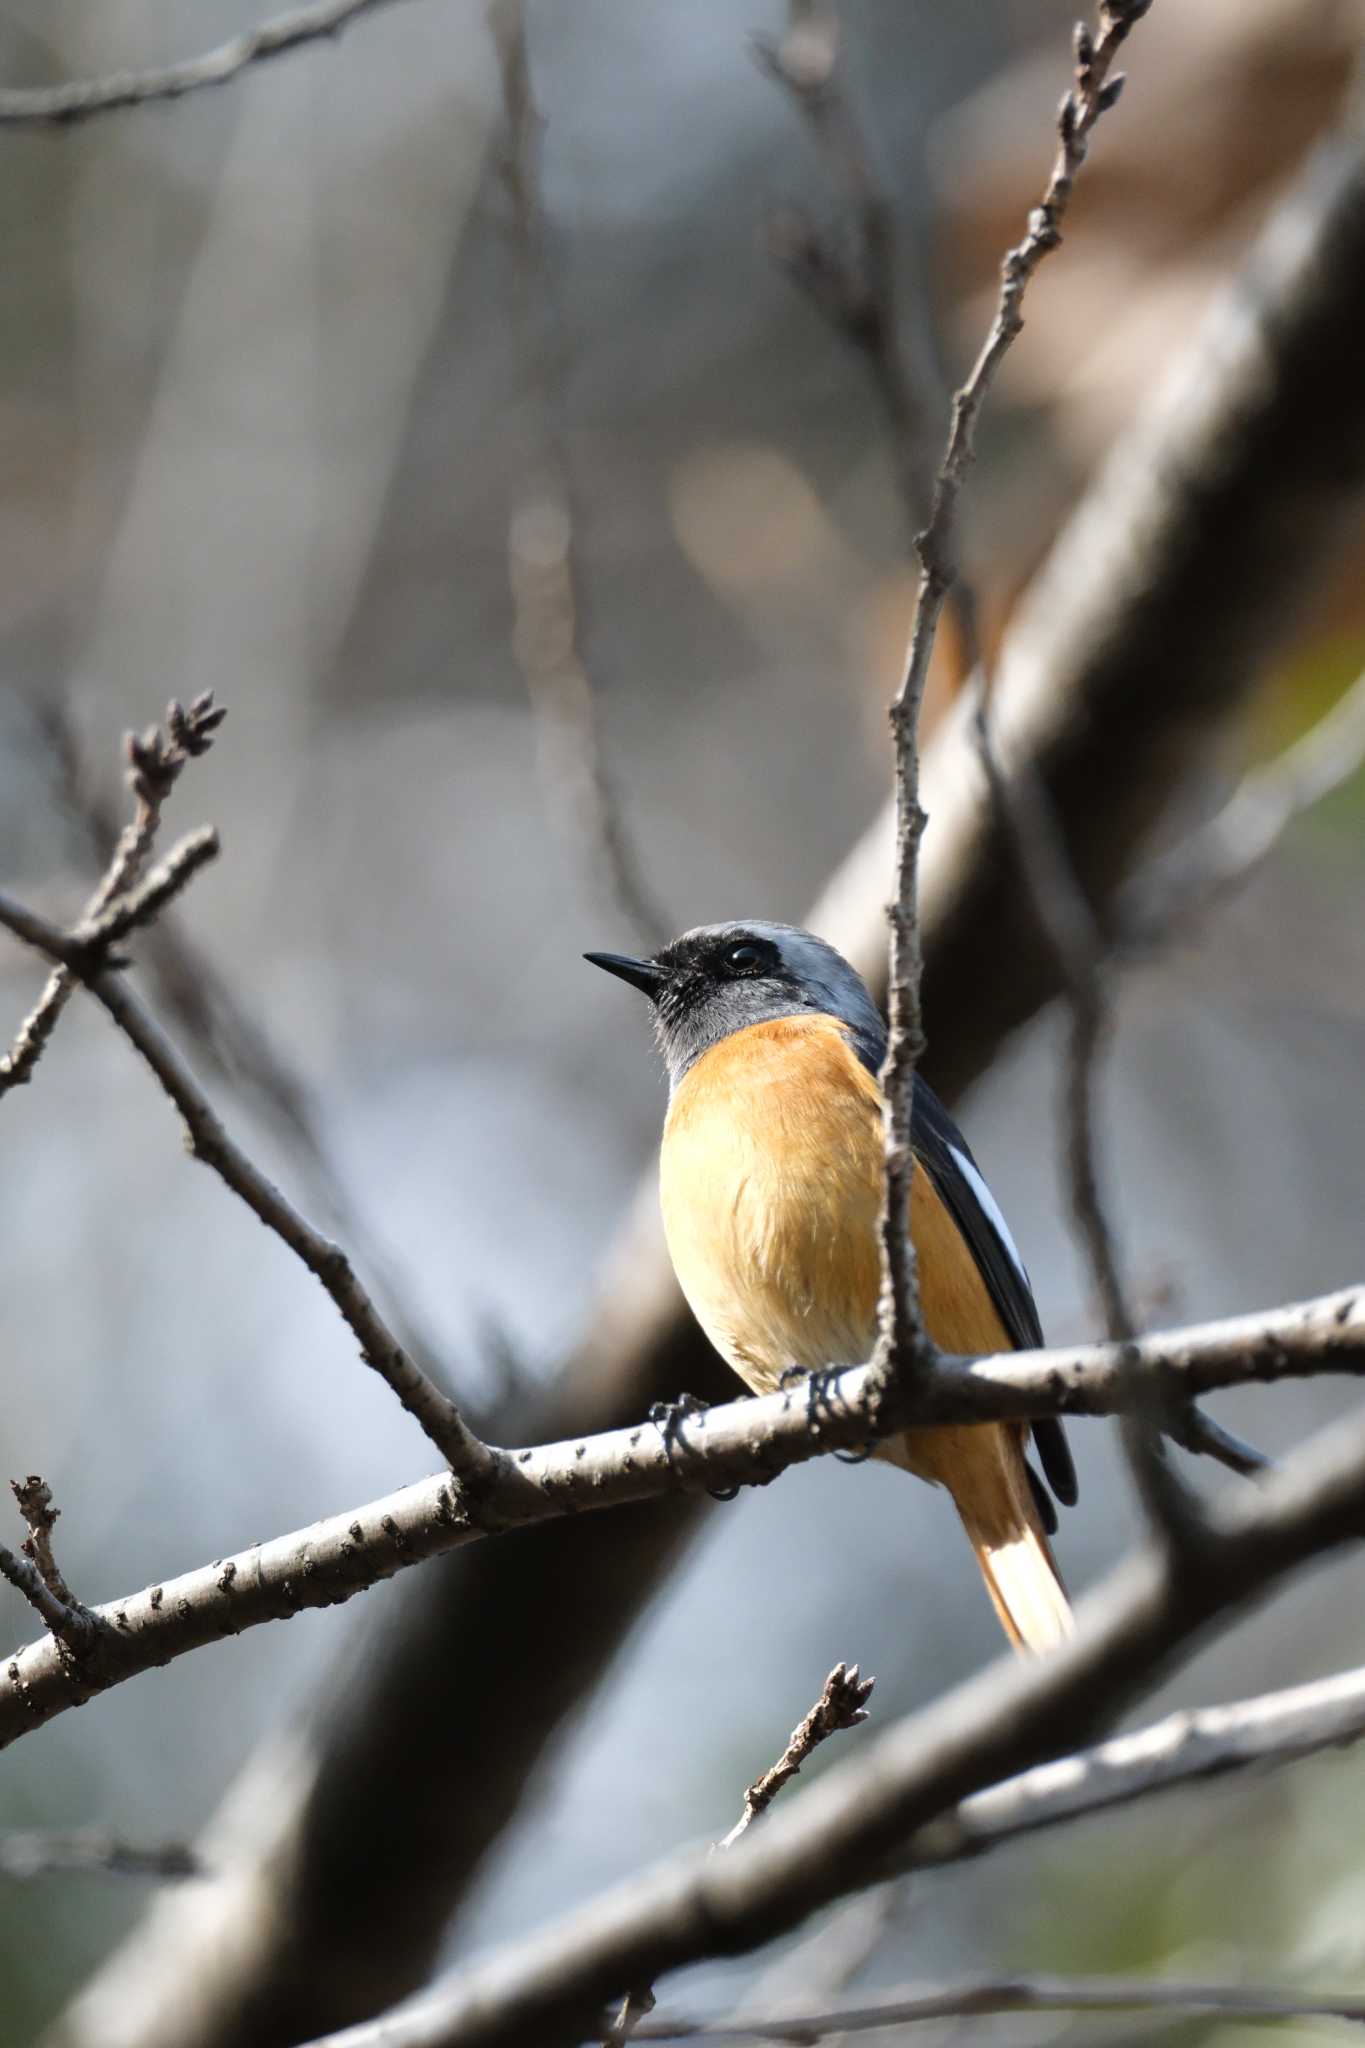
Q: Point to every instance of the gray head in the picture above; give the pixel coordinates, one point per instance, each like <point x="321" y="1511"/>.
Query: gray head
<point x="721" y="978"/>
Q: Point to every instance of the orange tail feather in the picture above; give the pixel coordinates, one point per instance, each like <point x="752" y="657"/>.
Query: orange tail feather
<point x="983" y="1469"/>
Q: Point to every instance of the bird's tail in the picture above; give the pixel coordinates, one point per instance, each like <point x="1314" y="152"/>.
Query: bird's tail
<point x="983" y="1468"/>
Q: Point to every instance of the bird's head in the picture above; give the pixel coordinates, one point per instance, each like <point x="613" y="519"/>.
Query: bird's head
<point x="721" y="978"/>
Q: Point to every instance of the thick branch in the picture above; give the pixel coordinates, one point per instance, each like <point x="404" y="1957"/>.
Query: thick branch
<point x="57" y="105"/>
<point x="547" y="1990"/>
<point x="743" y="1443"/>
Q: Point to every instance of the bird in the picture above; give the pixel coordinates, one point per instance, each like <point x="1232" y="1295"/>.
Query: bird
<point x="771" y="1182"/>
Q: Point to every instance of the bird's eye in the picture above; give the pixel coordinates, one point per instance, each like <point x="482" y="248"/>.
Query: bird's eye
<point x="742" y="957"/>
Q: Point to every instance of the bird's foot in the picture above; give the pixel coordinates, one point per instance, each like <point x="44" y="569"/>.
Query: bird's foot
<point x="671" y="1418"/>
<point x="822" y="1402"/>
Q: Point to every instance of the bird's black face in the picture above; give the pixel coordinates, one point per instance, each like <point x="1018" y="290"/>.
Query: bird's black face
<point x="722" y="978"/>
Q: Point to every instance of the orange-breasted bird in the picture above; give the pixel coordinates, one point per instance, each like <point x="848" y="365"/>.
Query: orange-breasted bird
<point x="771" y="1179"/>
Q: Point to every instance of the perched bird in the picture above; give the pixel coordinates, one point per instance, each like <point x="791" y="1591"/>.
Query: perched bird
<point x="771" y="1179"/>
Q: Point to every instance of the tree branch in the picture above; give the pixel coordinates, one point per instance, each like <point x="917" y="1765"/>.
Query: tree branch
<point x="58" y="105"/>
<point x="744" y="1443"/>
<point x="842" y="1704"/>
<point x="1092" y="93"/>
<point x="469" y="1459"/>
<point x="155" y="761"/>
<point x="977" y="1996"/>
<point x="26" y="1854"/>
<point x="1173" y="893"/>
<point x="548" y="1990"/>
<point x="1209" y="1742"/>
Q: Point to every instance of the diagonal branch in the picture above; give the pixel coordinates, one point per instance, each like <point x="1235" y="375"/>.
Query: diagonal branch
<point x="155" y="760"/>
<point x="469" y="1460"/>
<point x="743" y="1443"/>
<point x="1029" y="1993"/>
<point x="58" y="105"/>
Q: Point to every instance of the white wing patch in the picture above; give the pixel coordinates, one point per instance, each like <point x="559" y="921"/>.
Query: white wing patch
<point x="991" y="1210"/>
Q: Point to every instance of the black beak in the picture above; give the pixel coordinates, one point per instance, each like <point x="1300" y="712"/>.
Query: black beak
<point x="641" y="974"/>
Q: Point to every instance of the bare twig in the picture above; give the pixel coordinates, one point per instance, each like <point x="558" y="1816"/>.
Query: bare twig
<point x="72" y="1626"/>
<point x="976" y="1996"/>
<point x="31" y="1853"/>
<point x="34" y="1497"/>
<point x="78" y="99"/>
<point x="1173" y="893"/>
<point x="842" y="1704"/>
<point x="155" y="759"/>
<point x="744" y="1442"/>
<point x="203" y="1003"/>
<point x="850" y="275"/>
<point x="548" y="591"/>
<point x="469" y="1459"/>
<point x="548" y="1990"/>
<point x="1093" y="93"/>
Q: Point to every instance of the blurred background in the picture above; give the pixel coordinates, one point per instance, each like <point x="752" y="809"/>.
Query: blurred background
<point x="283" y="375"/>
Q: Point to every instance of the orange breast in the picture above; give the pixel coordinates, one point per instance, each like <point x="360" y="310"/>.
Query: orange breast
<point x="771" y="1184"/>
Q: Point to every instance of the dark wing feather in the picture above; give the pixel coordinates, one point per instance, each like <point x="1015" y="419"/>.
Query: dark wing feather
<point x="942" y="1147"/>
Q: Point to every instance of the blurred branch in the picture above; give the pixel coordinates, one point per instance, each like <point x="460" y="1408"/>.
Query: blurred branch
<point x="547" y="1990"/>
<point x="155" y="759"/>
<point x="204" y="1005"/>
<point x="977" y="1996"/>
<point x="31" y="1853"/>
<point x="850" y="277"/>
<point x="1092" y="93"/>
<point x="1183" y="1749"/>
<point x="1168" y="897"/>
<point x="1177" y="577"/>
<point x="842" y="1704"/>
<point x="745" y="1442"/>
<point x="78" y="99"/>
<point x="548" y="590"/>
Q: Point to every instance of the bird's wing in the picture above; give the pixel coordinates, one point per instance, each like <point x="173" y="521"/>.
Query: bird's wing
<point x="960" y="1182"/>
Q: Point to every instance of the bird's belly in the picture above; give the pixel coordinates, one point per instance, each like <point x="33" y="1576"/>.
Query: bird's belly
<point x="773" y="1235"/>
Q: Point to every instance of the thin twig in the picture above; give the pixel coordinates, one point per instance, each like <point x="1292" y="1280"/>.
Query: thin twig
<point x="842" y="1704"/>
<point x="78" y="99"/>
<point x="34" y="1497"/>
<point x="744" y="1442"/>
<point x="978" y="1996"/>
<point x="71" y="1625"/>
<point x="849" y="274"/>
<point x="204" y="1005"/>
<point x="1094" y="92"/>
<point x="1174" y="892"/>
<point x="469" y="1459"/>
<point x="155" y="760"/>
<point x="26" y="1854"/>
<point x="548" y="590"/>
